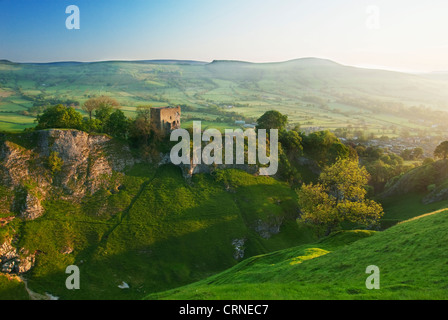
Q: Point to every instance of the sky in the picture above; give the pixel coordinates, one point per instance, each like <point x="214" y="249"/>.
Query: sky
<point x="403" y="35"/>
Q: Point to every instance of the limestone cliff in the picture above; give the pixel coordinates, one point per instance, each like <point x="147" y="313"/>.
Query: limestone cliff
<point x="26" y="180"/>
<point x="88" y="162"/>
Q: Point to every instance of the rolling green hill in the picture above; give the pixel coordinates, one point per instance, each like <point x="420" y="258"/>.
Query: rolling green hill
<point x="156" y="229"/>
<point x="158" y="232"/>
<point x="312" y="92"/>
<point x="411" y="258"/>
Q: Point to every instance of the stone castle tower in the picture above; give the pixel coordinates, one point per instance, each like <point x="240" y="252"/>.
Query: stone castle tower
<point x="166" y="118"/>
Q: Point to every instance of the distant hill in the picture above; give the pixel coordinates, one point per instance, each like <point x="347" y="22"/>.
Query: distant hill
<point x="316" y="93"/>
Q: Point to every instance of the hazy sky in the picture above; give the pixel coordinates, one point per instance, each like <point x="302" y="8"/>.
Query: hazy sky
<point x="408" y="35"/>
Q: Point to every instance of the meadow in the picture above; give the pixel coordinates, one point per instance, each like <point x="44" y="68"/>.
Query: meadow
<point x="410" y="258"/>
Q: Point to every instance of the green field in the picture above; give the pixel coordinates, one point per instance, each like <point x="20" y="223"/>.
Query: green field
<point x="410" y="256"/>
<point x="312" y="92"/>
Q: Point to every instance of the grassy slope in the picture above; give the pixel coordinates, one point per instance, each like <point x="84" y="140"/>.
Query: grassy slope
<point x="411" y="257"/>
<point x="166" y="233"/>
<point x="12" y="288"/>
<point x="404" y="199"/>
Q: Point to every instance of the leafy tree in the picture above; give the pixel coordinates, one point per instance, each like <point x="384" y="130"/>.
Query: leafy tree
<point x="374" y="153"/>
<point x="92" y="125"/>
<point x="417" y="153"/>
<point x="406" y="154"/>
<point x="338" y="196"/>
<point x="291" y="141"/>
<point x="297" y="128"/>
<point x="272" y="120"/>
<point x="89" y="106"/>
<point x="103" y="102"/>
<point x="59" y="117"/>
<point x="117" y="125"/>
<point x="103" y="113"/>
<point x="141" y="127"/>
<point x="442" y="150"/>
<point x="413" y="154"/>
<point x="427" y="161"/>
<point x="324" y="147"/>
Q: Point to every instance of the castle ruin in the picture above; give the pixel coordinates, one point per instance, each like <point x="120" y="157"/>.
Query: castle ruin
<point x="166" y="118"/>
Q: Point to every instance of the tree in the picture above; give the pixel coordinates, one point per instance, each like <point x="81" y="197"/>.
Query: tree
<point x="272" y="120"/>
<point x="105" y="102"/>
<point x="59" y="117"/>
<point x="338" y="196"/>
<point x="291" y="141"/>
<point x="117" y="125"/>
<point x="417" y="153"/>
<point x="103" y="113"/>
<point x="89" y="106"/>
<point x="406" y="154"/>
<point x="92" y="125"/>
<point x="442" y="150"/>
<point x="141" y="128"/>
<point x="324" y="147"/>
<point x="427" y="161"/>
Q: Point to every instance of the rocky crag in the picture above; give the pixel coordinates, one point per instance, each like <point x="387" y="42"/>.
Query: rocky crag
<point x="26" y="179"/>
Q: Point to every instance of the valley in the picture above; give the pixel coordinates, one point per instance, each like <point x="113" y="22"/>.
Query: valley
<point x="140" y="227"/>
<point x="315" y="93"/>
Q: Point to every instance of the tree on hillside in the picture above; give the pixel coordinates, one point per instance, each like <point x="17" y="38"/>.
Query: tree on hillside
<point x="272" y="120"/>
<point x="417" y="153"/>
<point x="324" y="147"/>
<point x="141" y="128"/>
<point x="103" y="113"/>
<point x="117" y="125"/>
<point x="59" y="117"/>
<point x="338" y="196"/>
<point x="94" y="104"/>
<point x="90" y="106"/>
<point x="442" y="150"/>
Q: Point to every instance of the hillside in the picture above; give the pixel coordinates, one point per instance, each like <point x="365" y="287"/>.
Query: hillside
<point x="312" y="92"/>
<point x="411" y="258"/>
<point x="120" y="219"/>
<point x="430" y="180"/>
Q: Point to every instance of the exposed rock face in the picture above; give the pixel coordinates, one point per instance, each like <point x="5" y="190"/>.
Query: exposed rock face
<point x="88" y="161"/>
<point x="13" y="260"/>
<point x="268" y="228"/>
<point x="32" y="208"/>
<point x="14" y="163"/>
<point x="439" y="194"/>
<point x="238" y="244"/>
<point x="86" y="158"/>
<point x="188" y="170"/>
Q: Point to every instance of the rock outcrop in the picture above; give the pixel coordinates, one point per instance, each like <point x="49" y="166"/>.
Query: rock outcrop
<point x="88" y="162"/>
<point x="15" y="261"/>
<point x="188" y="170"/>
<point x="26" y="179"/>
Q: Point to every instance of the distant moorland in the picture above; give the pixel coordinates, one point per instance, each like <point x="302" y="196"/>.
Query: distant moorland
<point x="318" y="94"/>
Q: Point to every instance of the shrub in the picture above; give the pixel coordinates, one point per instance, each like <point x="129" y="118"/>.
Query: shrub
<point x="54" y="162"/>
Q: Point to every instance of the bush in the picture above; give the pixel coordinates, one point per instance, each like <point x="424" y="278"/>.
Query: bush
<point x="59" y="117"/>
<point x="54" y="162"/>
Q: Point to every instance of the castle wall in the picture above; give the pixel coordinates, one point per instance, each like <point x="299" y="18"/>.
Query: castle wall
<point x="167" y="118"/>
